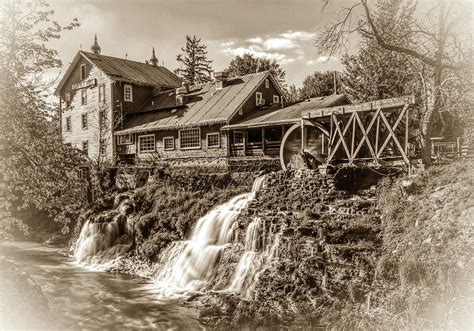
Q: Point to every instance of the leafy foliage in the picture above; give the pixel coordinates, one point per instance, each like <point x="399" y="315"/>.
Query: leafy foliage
<point x="320" y="84"/>
<point x="195" y="67"/>
<point x="37" y="170"/>
<point x="249" y="64"/>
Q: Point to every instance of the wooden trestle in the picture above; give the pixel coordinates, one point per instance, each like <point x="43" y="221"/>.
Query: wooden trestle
<point x="373" y="133"/>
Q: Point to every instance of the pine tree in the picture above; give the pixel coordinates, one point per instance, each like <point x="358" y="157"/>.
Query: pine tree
<point x="195" y="67"/>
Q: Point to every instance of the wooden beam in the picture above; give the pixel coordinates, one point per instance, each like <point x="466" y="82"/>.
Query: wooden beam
<point x="391" y="133"/>
<point x="365" y="135"/>
<point x="385" y="104"/>
<point x="341" y="136"/>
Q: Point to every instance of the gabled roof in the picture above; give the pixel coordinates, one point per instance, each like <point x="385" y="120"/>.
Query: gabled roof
<point x="205" y="105"/>
<point x="124" y="70"/>
<point x="290" y="114"/>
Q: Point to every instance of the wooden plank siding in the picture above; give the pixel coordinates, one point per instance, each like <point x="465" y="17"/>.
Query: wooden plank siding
<point x="177" y="152"/>
<point x="77" y="135"/>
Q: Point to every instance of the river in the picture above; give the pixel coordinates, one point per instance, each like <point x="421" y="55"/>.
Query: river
<point x="41" y="289"/>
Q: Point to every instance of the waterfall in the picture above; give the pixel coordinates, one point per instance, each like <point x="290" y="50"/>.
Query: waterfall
<point x="190" y="264"/>
<point x="252" y="263"/>
<point x="105" y="236"/>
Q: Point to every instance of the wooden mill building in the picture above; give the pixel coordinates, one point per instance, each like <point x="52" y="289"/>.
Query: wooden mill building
<point x="98" y="92"/>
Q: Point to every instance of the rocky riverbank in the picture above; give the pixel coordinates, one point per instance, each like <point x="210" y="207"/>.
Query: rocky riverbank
<point x="391" y="254"/>
<point x="350" y="250"/>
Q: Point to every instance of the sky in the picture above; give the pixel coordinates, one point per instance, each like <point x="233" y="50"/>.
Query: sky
<point x="280" y="29"/>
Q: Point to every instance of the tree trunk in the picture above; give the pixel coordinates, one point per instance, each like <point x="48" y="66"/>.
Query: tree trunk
<point x="432" y="107"/>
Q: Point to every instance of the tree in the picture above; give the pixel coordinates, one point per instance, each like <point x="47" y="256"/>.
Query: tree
<point x="37" y="171"/>
<point x="195" y="67"/>
<point x="249" y="64"/>
<point x="320" y="84"/>
<point x="439" y="42"/>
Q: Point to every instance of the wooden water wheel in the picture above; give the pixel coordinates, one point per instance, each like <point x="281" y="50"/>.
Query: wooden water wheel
<point x="313" y="144"/>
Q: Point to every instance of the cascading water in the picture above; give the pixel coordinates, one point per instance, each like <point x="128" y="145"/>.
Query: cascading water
<point x="253" y="261"/>
<point x="190" y="265"/>
<point x="106" y="236"/>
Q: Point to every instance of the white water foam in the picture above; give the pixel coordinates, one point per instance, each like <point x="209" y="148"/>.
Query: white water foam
<point x="190" y="265"/>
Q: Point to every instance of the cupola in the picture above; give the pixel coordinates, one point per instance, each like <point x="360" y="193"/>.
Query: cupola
<point x="95" y="48"/>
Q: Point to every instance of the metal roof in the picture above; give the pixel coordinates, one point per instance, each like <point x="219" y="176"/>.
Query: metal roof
<point x="205" y="105"/>
<point x="125" y="70"/>
<point x="290" y="114"/>
<point x="133" y="71"/>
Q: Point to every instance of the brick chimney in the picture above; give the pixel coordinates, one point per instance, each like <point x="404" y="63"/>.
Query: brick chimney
<point x="221" y="79"/>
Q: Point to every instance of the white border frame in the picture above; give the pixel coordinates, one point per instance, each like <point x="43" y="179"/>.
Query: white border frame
<point x="131" y="92"/>
<point x="138" y="144"/>
<point x="186" y="148"/>
<point x="174" y="143"/>
<point x="218" y="139"/>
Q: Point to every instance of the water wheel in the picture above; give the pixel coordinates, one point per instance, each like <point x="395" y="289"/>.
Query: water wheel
<point x="291" y="144"/>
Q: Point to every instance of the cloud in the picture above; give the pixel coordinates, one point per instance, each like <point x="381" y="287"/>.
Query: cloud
<point x="298" y="35"/>
<point x="256" y="51"/>
<point x="227" y="43"/>
<point x="310" y="62"/>
<point x="279" y="43"/>
<point x="285" y="47"/>
<point x="255" y="40"/>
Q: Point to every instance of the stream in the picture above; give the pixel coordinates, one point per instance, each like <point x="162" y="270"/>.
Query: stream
<point x="41" y="289"/>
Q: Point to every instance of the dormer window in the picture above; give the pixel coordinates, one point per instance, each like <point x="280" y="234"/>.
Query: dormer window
<point x="276" y="99"/>
<point x="83" y="71"/>
<point x="127" y="93"/>
<point x="267" y="83"/>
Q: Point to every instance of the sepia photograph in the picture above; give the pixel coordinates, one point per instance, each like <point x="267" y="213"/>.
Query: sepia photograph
<point x="251" y="165"/>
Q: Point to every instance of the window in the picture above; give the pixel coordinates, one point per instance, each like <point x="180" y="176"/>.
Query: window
<point x="68" y="99"/>
<point x="168" y="143"/>
<point x="213" y="140"/>
<point x="276" y="99"/>
<point x="273" y="134"/>
<point x="103" y="146"/>
<point x="254" y="136"/>
<point x="146" y="143"/>
<point x="241" y="111"/>
<point x="84" y="121"/>
<point x="102" y="93"/>
<point x="68" y="123"/>
<point x="267" y="83"/>
<point x="85" y="147"/>
<point x="84" y="97"/>
<point x="126" y="139"/>
<point x="259" y="99"/>
<point x="238" y="137"/>
<point x="83" y="71"/>
<point x="127" y="93"/>
<point x="190" y="138"/>
<point x="102" y="118"/>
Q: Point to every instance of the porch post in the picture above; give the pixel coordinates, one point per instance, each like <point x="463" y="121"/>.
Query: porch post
<point x="244" y="141"/>
<point x="302" y="136"/>
<point x="263" y="140"/>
